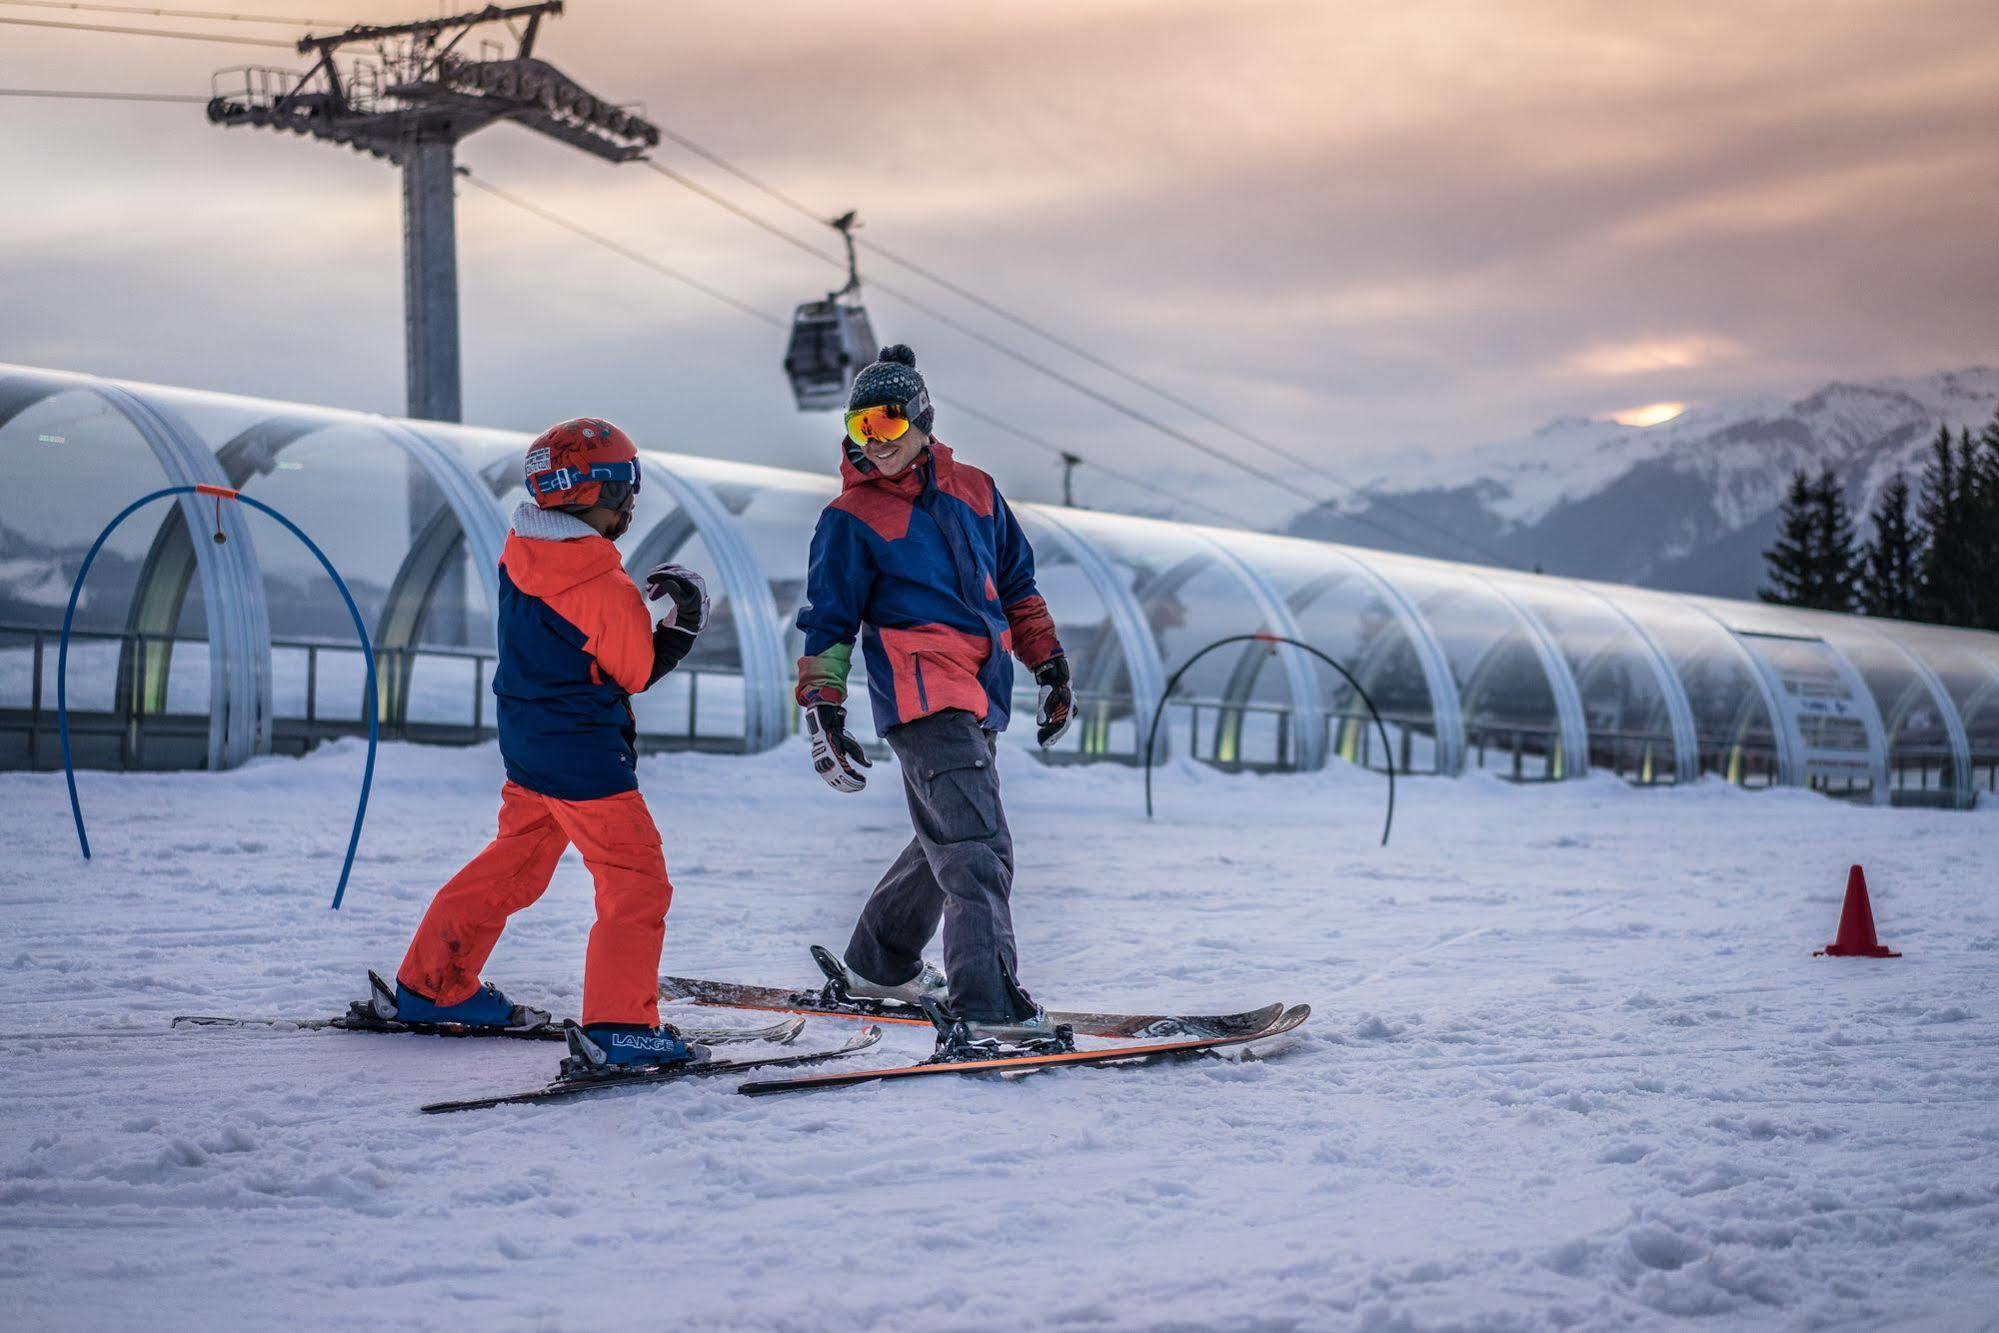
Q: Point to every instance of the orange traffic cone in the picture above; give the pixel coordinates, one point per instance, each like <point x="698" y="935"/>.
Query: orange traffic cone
<point x="1856" y="925"/>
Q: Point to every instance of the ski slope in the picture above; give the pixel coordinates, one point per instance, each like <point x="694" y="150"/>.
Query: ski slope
<point x="1571" y="1063"/>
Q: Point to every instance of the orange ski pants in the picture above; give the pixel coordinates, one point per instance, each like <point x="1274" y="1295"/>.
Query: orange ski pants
<point x="620" y="845"/>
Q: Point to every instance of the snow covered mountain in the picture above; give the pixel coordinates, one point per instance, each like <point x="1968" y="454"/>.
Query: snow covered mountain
<point x="1689" y="504"/>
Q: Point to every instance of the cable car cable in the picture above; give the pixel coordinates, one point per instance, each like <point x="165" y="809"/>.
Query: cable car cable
<point x="1065" y="344"/>
<point x="742" y="307"/>
<point x="101" y="97"/>
<point x="209" y="14"/>
<point x="469" y="177"/>
<point x="152" y="32"/>
<point x="952" y="322"/>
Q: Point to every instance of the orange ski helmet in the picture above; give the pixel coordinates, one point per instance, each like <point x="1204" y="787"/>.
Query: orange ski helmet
<point x="581" y="464"/>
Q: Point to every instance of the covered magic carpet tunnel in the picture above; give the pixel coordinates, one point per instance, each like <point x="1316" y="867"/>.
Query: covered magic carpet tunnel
<point x="193" y="652"/>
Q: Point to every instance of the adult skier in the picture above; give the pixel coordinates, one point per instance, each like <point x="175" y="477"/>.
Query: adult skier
<point x="575" y="643"/>
<point x="922" y="551"/>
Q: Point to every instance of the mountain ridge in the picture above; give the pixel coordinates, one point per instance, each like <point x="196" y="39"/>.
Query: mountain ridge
<point x="1687" y="505"/>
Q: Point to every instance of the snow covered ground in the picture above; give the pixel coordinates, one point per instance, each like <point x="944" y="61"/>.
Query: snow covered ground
<point x="1571" y="1063"/>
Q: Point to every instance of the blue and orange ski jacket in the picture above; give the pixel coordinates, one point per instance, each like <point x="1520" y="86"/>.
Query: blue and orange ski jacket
<point x="935" y="567"/>
<point x="575" y="643"/>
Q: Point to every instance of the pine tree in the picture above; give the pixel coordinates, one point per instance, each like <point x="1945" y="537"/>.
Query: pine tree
<point x="1982" y="508"/>
<point x="1838" y="554"/>
<point x="1891" y="566"/>
<point x="1815" y="562"/>
<point x="1789" y="563"/>
<point x="1941" y="508"/>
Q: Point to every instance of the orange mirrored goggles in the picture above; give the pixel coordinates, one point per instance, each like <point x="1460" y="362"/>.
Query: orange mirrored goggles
<point x="876" y="423"/>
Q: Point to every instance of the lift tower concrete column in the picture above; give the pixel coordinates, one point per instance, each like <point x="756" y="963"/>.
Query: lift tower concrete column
<point x="407" y="94"/>
<point x="430" y="281"/>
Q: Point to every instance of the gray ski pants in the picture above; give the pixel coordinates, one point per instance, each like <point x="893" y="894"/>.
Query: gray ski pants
<point x="958" y="869"/>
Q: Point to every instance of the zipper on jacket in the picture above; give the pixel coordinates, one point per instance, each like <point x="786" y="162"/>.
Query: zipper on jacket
<point x="922" y="696"/>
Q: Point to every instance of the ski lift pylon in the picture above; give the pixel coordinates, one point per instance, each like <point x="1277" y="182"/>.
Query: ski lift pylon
<point x="831" y="339"/>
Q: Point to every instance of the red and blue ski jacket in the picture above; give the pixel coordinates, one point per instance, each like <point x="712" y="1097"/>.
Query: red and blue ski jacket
<point x="576" y="642"/>
<point x="934" y="565"/>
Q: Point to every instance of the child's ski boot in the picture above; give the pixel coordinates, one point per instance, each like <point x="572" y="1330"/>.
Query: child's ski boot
<point x="606" y="1050"/>
<point x="486" y="1008"/>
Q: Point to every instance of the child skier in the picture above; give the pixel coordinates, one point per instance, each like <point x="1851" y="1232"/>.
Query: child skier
<point x="575" y="643"/>
<point x="922" y="550"/>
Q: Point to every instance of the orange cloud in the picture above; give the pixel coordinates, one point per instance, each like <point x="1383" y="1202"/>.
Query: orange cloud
<point x="1646" y="355"/>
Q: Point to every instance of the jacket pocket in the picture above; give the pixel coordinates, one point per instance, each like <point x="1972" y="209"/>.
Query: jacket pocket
<point x="922" y="694"/>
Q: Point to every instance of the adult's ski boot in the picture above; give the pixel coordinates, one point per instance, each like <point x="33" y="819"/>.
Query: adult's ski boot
<point x="606" y="1050"/>
<point x="971" y="1039"/>
<point x="843" y="983"/>
<point x="486" y="1008"/>
<point x="927" y="984"/>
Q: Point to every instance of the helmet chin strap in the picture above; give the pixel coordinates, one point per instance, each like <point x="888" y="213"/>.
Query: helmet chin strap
<point x="624" y="523"/>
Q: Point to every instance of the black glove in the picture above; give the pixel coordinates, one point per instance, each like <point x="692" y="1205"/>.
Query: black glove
<point x="689" y="592"/>
<point x="836" y="756"/>
<point x="673" y="637"/>
<point x="1058" y="700"/>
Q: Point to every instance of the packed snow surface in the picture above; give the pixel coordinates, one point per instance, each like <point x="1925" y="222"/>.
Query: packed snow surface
<point x="1571" y="1062"/>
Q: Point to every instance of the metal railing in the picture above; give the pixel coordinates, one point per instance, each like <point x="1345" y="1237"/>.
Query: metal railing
<point x="133" y="717"/>
<point x="126" y="713"/>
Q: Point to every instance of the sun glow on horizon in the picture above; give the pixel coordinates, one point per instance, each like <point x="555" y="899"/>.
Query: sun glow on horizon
<point x="1652" y="414"/>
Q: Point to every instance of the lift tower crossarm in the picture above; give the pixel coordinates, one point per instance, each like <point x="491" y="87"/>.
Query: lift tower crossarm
<point x="409" y="98"/>
<point x="431" y="28"/>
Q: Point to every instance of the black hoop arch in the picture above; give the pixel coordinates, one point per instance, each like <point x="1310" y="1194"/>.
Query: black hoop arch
<point x="1158" y="709"/>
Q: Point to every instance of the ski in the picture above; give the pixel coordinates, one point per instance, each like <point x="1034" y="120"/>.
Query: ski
<point x="782" y="1033"/>
<point x="832" y="1001"/>
<point x="576" y="1087"/>
<point x="1290" y="1020"/>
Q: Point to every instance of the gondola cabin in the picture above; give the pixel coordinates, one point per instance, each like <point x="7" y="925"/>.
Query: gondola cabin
<point x="830" y="341"/>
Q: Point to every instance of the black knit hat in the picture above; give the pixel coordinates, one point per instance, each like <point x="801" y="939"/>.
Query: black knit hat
<point x="892" y="381"/>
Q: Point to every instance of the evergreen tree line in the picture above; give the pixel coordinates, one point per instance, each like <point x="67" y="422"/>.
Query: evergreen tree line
<point x="1933" y="555"/>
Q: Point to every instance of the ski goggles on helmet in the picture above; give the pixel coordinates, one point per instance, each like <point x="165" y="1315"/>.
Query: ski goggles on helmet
<point x="564" y="478"/>
<point x="877" y="424"/>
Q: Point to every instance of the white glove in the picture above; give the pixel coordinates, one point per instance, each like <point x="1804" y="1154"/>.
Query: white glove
<point x="836" y="756"/>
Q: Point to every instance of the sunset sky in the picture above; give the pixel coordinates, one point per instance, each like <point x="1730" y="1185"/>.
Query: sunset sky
<point x="1353" y="228"/>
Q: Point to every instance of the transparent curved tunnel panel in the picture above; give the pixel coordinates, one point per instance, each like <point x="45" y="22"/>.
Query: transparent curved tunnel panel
<point x="1105" y="722"/>
<point x="701" y="701"/>
<point x="774" y="511"/>
<point x="1967" y="663"/>
<point x="1340" y="610"/>
<point x="493" y="456"/>
<point x="1922" y="765"/>
<point x="72" y="461"/>
<point x="383" y="520"/>
<point x="1825" y="708"/>
<point x="80" y="461"/>
<point x="1850" y="705"/>
<point x="1226" y="709"/>
<point x="1733" y="728"/>
<point x="1624" y="703"/>
<point x="1510" y="717"/>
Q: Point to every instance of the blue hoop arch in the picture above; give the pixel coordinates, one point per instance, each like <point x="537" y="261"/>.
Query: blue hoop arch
<point x="220" y="493"/>
<point x="1271" y="640"/>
